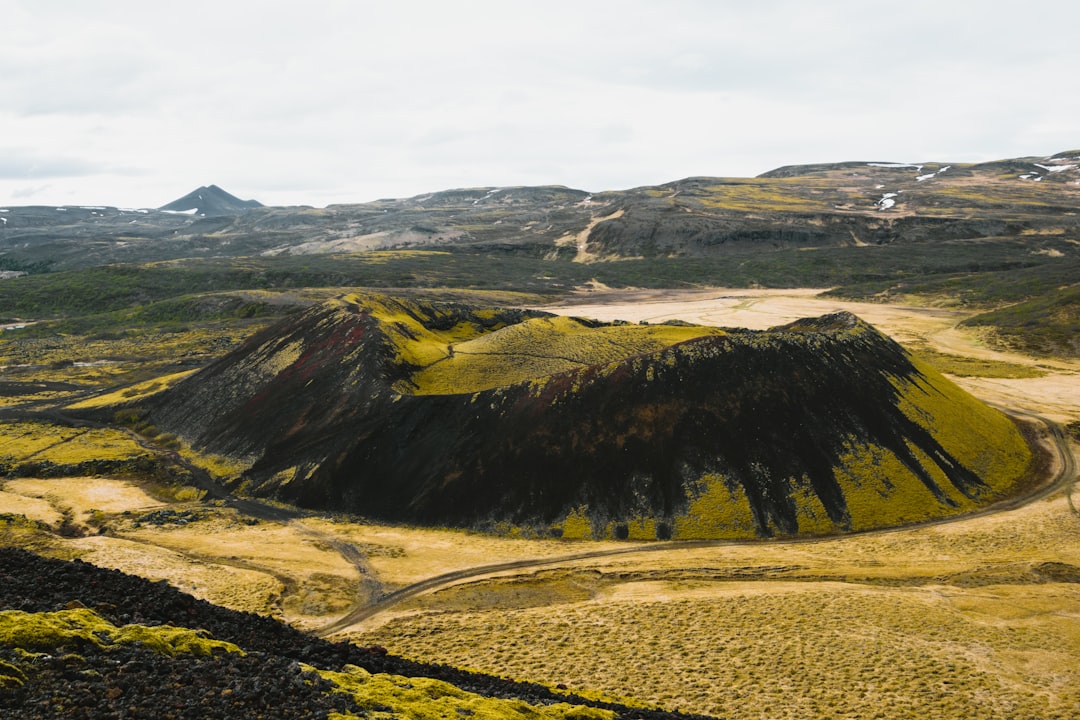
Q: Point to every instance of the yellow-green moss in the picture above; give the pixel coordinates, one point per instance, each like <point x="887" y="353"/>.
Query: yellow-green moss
<point x="415" y="344"/>
<point x="760" y="194"/>
<point x="577" y="525"/>
<point x="641" y="528"/>
<point x="10" y="676"/>
<point x="219" y="466"/>
<point x="717" y="512"/>
<point x="538" y="348"/>
<point x="982" y="438"/>
<point x="393" y="696"/>
<point x="810" y="512"/>
<point x="50" y="630"/>
<point x="43" y="442"/>
<point x="139" y="391"/>
<point x="880" y="491"/>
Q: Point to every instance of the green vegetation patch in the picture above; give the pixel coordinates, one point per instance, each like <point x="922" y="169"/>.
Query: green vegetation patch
<point x="983" y="439"/>
<point x="963" y="366"/>
<point x="48" y="631"/>
<point x="133" y="393"/>
<point x="392" y="696"/>
<point x="884" y="488"/>
<point x="37" y="442"/>
<point x="540" y="347"/>
<point x="456" y="349"/>
<point x="760" y="195"/>
<point x="11" y="676"/>
<point x="1044" y="325"/>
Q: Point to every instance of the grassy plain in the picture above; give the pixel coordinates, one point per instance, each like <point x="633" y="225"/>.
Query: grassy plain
<point x="974" y="618"/>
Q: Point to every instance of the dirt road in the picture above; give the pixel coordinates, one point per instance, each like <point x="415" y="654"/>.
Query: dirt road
<point x="761" y="309"/>
<point x="1063" y="475"/>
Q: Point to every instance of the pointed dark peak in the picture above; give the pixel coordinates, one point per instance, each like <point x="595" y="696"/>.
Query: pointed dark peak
<point x="209" y="201"/>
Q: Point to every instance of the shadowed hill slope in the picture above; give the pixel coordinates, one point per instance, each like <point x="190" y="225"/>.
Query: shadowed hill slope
<point x="133" y="656"/>
<point x="446" y="414"/>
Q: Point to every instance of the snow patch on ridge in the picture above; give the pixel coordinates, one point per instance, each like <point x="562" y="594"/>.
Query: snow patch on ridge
<point x="895" y="165"/>
<point x="886" y="201"/>
<point x="1055" y="168"/>
<point x="487" y="197"/>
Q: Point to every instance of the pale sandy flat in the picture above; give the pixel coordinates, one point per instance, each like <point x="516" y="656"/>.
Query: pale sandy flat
<point x="754" y="309"/>
<point x="82" y="494"/>
<point x="274" y="546"/>
<point x="34" y="508"/>
<point x="237" y="588"/>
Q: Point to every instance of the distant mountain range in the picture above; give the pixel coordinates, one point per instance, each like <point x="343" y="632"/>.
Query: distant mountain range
<point x="807" y="206"/>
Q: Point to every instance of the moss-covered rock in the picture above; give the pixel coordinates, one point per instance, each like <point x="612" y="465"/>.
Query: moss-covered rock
<point x="47" y="631"/>
<point x="393" y="696"/>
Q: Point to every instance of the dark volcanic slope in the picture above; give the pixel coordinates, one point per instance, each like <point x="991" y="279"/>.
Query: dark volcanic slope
<point x="209" y="201"/>
<point x="445" y="414"/>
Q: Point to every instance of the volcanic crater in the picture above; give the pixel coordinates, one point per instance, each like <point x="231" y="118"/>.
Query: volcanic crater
<point x="404" y="410"/>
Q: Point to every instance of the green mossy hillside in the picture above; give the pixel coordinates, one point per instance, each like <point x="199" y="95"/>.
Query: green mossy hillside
<point x="540" y="347"/>
<point x="446" y="414"/>
<point x="37" y="448"/>
<point x="1044" y="325"/>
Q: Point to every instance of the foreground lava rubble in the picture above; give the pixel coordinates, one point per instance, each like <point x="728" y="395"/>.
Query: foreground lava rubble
<point x="130" y="681"/>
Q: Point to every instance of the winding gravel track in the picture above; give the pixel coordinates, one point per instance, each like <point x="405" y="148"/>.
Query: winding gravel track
<point x="1063" y="477"/>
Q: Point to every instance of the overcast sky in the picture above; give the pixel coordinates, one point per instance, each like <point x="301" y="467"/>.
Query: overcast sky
<point x="317" y="101"/>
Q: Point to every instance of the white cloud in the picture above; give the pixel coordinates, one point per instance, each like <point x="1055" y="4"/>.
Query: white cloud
<point x="135" y="103"/>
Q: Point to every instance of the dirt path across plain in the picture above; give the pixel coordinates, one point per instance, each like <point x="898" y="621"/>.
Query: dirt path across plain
<point x="1047" y="400"/>
<point x="1062" y="475"/>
